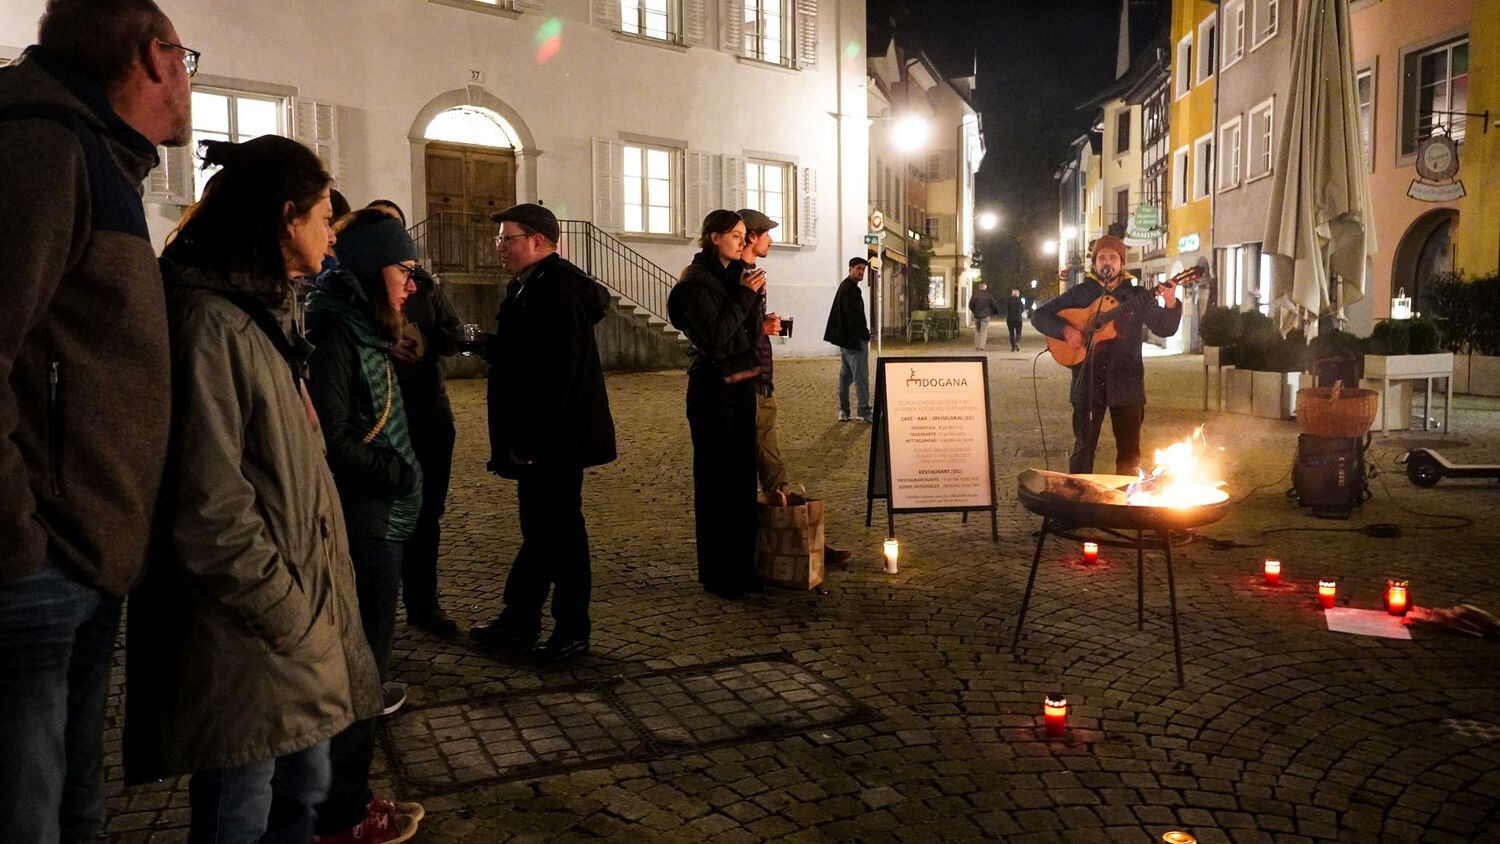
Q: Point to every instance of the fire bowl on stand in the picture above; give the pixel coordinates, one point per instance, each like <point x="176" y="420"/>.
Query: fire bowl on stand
<point x="1067" y="503"/>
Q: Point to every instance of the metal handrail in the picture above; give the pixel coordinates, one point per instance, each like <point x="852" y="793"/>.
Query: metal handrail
<point x="463" y="242"/>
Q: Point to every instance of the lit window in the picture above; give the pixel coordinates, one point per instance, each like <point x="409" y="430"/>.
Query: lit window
<point x="651" y="18"/>
<point x="1234" y="32"/>
<point x="232" y="116"/>
<point x="471" y="125"/>
<point x="1261" y="155"/>
<point x="766" y="31"/>
<point x="649" y="176"/>
<point x="768" y="186"/>
<point x="1364" y="87"/>
<point x="937" y="291"/>
<point x="1435" y="85"/>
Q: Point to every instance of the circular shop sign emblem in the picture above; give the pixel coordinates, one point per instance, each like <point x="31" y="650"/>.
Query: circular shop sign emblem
<point x="877" y="221"/>
<point x="1437" y="159"/>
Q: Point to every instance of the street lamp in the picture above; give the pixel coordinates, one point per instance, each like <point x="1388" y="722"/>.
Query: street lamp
<point x="909" y="133"/>
<point x="988" y="220"/>
<point x="1049" y="247"/>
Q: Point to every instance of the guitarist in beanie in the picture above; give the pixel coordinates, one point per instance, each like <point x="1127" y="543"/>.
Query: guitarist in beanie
<point x="1111" y="376"/>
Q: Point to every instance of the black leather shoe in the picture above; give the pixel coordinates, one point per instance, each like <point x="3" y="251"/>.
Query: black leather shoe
<point x="559" y="649"/>
<point x="497" y="637"/>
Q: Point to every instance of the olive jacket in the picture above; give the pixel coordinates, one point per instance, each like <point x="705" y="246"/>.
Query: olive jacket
<point x="244" y="642"/>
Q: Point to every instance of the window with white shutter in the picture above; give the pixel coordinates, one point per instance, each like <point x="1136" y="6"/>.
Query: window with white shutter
<point x="222" y="114"/>
<point x="807" y="33"/>
<point x="807" y="207"/>
<point x="767" y="29"/>
<point x="702" y="193"/>
<point x="732" y="195"/>
<point x="768" y="189"/>
<point x="650" y="186"/>
<point x="170" y="182"/>
<point x="732" y="26"/>
<point x="609" y="187"/>
<point x="695" y="23"/>
<point x="315" y="126"/>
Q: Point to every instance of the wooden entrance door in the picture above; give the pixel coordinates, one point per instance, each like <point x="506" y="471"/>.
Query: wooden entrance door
<point x="465" y="185"/>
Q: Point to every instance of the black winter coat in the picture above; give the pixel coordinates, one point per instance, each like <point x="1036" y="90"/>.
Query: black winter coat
<point x="547" y="400"/>
<point x="718" y="315"/>
<point x="847" y="326"/>
<point x="1014" y="310"/>
<point x="1113" y="375"/>
<point x="982" y="304"/>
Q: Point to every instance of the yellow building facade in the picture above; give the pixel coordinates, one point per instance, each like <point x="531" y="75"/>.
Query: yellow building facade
<point x="1195" y="27"/>
<point x="1478" y="247"/>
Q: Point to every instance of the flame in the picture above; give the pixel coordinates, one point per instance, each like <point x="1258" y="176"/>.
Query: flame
<point x="1184" y="475"/>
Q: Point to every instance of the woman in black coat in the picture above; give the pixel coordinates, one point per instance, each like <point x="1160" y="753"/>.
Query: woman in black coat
<point x="715" y="306"/>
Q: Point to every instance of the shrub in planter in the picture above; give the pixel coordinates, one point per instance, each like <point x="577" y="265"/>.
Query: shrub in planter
<point x="1220" y="327"/>
<point x="1484" y="310"/>
<point x="1424" y="337"/>
<point x="1256" y="327"/>
<point x="1452" y="298"/>
<point x="1390" y="337"/>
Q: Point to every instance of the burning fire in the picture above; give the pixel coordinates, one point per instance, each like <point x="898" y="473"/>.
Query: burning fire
<point x="1184" y="476"/>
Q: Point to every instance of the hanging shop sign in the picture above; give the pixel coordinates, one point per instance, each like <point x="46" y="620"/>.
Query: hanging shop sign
<point x="1189" y="243"/>
<point x="1145" y="226"/>
<point x="1437" y="169"/>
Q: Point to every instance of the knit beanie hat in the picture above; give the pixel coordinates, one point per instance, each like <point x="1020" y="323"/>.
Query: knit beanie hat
<point x="364" y="250"/>
<point x="1106" y="242"/>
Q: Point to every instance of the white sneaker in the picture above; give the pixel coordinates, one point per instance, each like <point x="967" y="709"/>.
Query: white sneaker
<point x="843" y="416"/>
<point x="394" y="695"/>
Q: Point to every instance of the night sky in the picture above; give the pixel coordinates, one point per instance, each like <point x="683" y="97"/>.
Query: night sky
<point x="1038" y="60"/>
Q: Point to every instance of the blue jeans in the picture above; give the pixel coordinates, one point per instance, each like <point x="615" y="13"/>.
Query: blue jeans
<point x="57" y="641"/>
<point x="273" y="801"/>
<point x="854" y="367"/>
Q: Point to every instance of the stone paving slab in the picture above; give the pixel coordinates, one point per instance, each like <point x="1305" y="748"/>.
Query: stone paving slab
<point x="640" y="717"/>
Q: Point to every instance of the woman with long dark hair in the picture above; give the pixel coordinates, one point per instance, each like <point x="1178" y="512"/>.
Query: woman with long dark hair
<point x="716" y="306"/>
<point x="353" y="319"/>
<point x="245" y="650"/>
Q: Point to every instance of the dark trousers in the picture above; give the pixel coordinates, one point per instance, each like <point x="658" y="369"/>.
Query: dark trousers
<point x="432" y="439"/>
<point x="554" y="554"/>
<point x="57" y="641"/>
<point x="721" y="418"/>
<point x="377" y="581"/>
<point x="1014" y="326"/>
<point x="1126" y="423"/>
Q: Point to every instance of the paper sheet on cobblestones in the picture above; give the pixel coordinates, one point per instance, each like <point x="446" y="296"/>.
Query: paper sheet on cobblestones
<point x="1366" y="623"/>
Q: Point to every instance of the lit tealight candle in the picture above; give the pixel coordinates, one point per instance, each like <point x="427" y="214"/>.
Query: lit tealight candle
<point x="1273" y="572"/>
<point x="1327" y="590"/>
<point x="1055" y="714"/>
<point x="892" y="551"/>
<point x="1091" y="552"/>
<point x="1395" y="597"/>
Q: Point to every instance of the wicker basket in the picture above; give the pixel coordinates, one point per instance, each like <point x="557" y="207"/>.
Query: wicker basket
<point x="1336" y="411"/>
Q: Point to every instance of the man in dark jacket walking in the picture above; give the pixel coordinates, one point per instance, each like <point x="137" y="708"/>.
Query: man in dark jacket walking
<point x="1113" y="376"/>
<point x="850" y="331"/>
<point x="1015" y="312"/>
<point x="982" y="306"/>
<point x="549" y="420"/>
<point x="85" y="392"/>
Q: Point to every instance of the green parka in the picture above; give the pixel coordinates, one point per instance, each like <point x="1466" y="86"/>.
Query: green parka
<point x="244" y="643"/>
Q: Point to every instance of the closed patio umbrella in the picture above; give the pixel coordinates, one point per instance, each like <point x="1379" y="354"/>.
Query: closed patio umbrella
<point x="1320" y="216"/>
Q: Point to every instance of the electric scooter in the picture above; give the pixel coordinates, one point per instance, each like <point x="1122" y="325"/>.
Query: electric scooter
<point x="1425" y="467"/>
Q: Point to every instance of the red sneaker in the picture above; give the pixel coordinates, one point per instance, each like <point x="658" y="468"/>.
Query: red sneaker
<point x="376" y="828"/>
<point x="393" y="808"/>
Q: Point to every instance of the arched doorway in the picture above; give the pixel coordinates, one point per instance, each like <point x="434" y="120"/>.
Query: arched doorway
<point x="1426" y="250"/>
<point x="471" y="156"/>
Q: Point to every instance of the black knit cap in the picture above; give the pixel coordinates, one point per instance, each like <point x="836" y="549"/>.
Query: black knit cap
<point x="535" y="217"/>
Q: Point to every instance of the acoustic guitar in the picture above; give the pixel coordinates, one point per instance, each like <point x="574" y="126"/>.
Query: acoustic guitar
<point x="1097" y="321"/>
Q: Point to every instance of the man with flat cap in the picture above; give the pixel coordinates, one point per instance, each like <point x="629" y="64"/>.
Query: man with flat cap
<point x="1112" y="377"/>
<point x="549" y="420"/>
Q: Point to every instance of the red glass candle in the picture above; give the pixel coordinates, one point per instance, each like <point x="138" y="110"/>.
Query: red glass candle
<point x="1055" y="714"/>
<point x="1396" y="602"/>
<point x="1273" y="572"/>
<point x="1327" y="590"/>
<point x="1091" y="552"/>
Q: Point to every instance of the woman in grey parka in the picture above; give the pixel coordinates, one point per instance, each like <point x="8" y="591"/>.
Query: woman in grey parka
<point x="244" y="644"/>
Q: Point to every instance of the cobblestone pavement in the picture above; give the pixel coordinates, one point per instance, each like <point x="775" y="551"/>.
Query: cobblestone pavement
<point x="890" y="708"/>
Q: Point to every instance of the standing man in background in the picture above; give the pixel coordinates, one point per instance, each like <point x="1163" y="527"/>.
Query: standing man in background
<point x="85" y="386"/>
<point x="982" y="306"/>
<point x="850" y="331"/>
